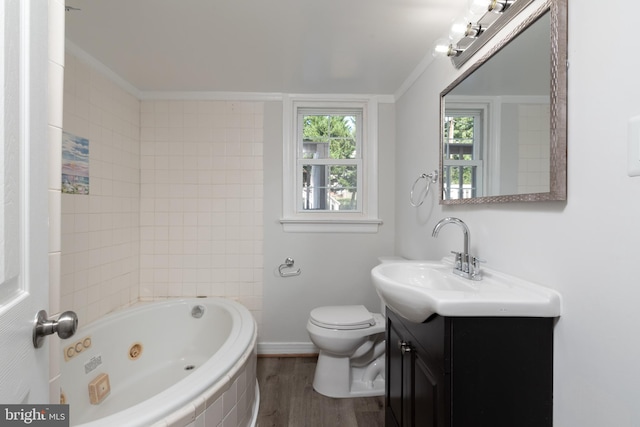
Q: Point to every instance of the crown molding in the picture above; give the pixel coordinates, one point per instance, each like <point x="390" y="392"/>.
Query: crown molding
<point x="85" y="57"/>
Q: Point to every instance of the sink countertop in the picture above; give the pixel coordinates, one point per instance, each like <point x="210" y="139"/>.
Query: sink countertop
<point x="418" y="289"/>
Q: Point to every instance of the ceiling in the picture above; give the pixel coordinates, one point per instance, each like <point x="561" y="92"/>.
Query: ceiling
<point x="275" y="46"/>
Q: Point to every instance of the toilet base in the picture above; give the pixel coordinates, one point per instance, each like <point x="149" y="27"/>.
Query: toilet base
<point x="334" y="377"/>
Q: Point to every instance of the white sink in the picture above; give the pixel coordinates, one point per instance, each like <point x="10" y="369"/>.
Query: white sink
<point x="418" y="289"/>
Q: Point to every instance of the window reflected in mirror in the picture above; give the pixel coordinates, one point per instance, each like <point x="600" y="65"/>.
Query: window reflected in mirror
<point x="462" y="167"/>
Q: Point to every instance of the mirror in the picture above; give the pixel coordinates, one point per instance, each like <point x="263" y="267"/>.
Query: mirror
<point x="503" y="134"/>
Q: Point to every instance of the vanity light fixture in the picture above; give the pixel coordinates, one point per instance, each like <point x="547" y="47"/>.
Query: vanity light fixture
<point x="474" y="30"/>
<point x="468" y="34"/>
<point x="496" y="6"/>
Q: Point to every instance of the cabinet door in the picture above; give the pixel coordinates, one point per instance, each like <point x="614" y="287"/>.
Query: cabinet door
<point x="502" y="371"/>
<point x="400" y="380"/>
<point x="415" y="390"/>
<point x="427" y="392"/>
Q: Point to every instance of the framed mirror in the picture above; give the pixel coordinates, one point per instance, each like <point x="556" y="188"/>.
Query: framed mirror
<point x="504" y="120"/>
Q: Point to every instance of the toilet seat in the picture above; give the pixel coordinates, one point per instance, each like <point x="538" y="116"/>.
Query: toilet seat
<point x="343" y="317"/>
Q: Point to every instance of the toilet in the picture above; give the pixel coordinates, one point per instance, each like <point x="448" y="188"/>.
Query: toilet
<point x="351" y="347"/>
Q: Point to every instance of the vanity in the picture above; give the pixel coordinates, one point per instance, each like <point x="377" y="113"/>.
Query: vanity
<point x="471" y="347"/>
<point x="463" y="353"/>
<point x="469" y="371"/>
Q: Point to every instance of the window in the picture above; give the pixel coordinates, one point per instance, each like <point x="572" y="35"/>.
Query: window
<point x="331" y="159"/>
<point x="462" y="163"/>
<point x="330" y="181"/>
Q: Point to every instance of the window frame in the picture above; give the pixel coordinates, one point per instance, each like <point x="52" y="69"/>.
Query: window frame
<point x="363" y="220"/>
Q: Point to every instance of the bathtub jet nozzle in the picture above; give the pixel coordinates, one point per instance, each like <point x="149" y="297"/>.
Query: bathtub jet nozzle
<point x="197" y="311"/>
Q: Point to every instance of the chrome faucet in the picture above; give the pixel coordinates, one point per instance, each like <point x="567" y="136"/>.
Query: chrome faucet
<point x="466" y="265"/>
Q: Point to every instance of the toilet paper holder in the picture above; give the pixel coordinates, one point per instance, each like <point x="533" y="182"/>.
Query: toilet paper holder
<point x="288" y="263"/>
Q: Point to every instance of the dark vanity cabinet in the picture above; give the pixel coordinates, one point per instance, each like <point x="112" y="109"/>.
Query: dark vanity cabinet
<point x="469" y="372"/>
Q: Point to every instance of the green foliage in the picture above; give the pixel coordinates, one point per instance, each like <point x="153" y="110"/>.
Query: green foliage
<point x="460" y="129"/>
<point x="340" y="133"/>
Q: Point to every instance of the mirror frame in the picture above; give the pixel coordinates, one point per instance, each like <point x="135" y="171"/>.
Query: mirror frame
<point x="558" y="108"/>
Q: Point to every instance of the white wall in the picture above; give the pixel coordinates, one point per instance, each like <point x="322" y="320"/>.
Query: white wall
<point x="335" y="266"/>
<point x="584" y="247"/>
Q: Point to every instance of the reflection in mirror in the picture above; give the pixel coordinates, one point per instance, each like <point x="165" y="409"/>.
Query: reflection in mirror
<point x="504" y="121"/>
<point x="496" y="122"/>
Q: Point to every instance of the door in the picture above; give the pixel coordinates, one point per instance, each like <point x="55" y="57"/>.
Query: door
<point x="24" y="199"/>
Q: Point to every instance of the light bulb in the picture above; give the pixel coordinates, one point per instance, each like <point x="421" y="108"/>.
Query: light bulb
<point x="459" y="29"/>
<point x="441" y="47"/>
<point x="479" y="7"/>
<point x="444" y="47"/>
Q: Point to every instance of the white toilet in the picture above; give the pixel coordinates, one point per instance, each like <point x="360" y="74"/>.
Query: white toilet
<point x="351" y="343"/>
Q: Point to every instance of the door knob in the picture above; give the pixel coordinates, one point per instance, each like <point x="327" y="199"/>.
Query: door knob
<point x="65" y="326"/>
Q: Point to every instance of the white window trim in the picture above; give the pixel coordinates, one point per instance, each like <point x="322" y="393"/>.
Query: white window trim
<point x="365" y="220"/>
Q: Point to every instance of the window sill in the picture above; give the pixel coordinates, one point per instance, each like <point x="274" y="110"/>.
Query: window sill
<point x="330" y="225"/>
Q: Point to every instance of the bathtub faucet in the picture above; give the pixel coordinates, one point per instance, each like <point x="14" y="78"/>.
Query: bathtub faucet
<point x="466" y="265"/>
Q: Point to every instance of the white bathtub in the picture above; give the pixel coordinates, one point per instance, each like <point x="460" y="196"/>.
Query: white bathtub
<point x="165" y="367"/>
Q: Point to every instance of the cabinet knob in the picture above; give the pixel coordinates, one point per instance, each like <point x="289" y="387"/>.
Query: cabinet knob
<point x="404" y="346"/>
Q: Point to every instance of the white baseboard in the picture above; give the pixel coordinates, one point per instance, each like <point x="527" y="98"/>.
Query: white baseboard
<point x="286" y="348"/>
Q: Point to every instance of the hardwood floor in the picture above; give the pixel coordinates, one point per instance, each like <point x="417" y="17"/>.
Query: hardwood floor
<point x="287" y="398"/>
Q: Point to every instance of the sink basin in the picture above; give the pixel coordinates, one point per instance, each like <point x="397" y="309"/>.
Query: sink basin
<point x="418" y="289"/>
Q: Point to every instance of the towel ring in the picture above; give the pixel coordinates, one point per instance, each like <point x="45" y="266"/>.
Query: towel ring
<point x="431" y="178"/>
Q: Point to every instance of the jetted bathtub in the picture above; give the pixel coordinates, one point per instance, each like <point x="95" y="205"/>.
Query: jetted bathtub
<point x="171" y="363"/>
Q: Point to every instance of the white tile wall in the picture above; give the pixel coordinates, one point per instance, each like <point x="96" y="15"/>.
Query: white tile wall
<point x="176" y="199"/>
<point x="201" y="174"/>
<point x="100" y="239"/>
<point x="534" y="154"/>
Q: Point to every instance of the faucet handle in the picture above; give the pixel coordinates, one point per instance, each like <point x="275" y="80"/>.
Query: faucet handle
<point x="476" y="261"/>
<point x="458" y="259"/>
<point x="474" y="268"/>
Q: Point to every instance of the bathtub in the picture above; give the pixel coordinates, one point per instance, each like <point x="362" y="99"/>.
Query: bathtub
<point x="186" y="362"/>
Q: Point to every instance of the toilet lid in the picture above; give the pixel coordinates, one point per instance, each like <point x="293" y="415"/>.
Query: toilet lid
<point x="342" y="317"/>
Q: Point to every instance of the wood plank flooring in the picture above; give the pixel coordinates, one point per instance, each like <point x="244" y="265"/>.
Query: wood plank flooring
<point x="287" y="398"/>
